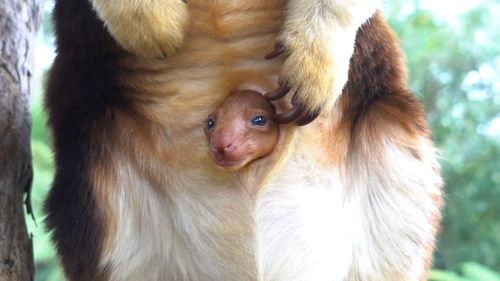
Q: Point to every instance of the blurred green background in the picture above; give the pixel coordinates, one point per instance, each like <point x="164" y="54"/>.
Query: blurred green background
<point x="453" y="54"/>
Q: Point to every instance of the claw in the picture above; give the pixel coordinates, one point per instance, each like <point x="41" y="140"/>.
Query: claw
<point x="307" y="118"/>
<point x="298" y="112"/>
<point x="279" y="48"/>
<point x="278" y="94"/>
<point x="291" y="115"/>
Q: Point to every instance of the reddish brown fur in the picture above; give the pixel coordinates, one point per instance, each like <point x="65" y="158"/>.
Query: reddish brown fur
<point x="378" y="106"/>
<point x="234" y="138"/>
<point x="376" y="100"/>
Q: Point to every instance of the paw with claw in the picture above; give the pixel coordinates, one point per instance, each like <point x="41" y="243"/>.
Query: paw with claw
<point x="314" y="73"/>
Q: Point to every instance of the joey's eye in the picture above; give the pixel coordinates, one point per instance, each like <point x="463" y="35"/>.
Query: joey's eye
<point x="210" y="123"/>
<point x="259" y="121"/>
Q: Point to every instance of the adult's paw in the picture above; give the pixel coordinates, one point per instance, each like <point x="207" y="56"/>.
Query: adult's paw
<point x="148" y="28"/>
<point x="308" y="73"/>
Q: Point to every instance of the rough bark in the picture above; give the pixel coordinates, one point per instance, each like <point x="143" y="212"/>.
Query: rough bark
<point x="19" y="21"/>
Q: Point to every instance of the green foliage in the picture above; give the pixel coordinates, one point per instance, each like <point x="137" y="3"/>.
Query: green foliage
<point x="454" y="65"/>
<point x="46" y="263"/>
<point x="471" y="272"/>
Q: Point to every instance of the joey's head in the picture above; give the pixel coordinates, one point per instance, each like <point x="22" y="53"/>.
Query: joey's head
<point x="241" y="130"/>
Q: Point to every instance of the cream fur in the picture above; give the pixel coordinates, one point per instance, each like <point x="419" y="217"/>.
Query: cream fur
<point x="290" y="217"/>
<point x="152" y="28"/>
<point x="393" y="206"/>
<point x="319" y="37"/>
<point x="364" y="223"/>
<point x="195" y="232"/>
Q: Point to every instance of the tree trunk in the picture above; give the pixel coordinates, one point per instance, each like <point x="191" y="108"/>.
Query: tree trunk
<point x="19" y="21"/>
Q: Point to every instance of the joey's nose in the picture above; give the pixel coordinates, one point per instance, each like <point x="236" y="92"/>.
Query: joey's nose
<point x="223" y="143"/>
<point x="223" y="147"/>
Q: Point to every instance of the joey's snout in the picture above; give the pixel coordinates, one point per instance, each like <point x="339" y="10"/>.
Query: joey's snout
<point x="222" y="143"/>
<point x="226" y="150"/>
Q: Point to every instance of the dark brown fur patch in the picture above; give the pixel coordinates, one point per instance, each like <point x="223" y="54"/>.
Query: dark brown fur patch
<point x="377" y="105"/>
<point x="81" y="96"/>
<point x="376" y="96"/>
